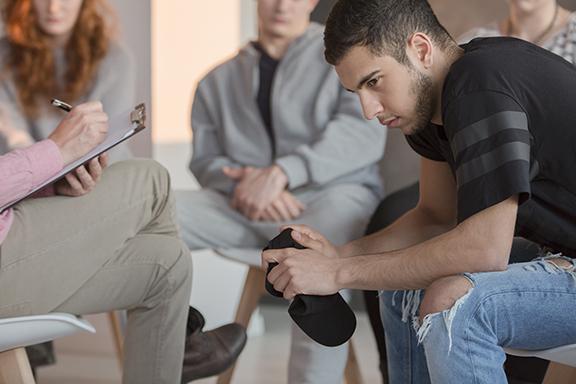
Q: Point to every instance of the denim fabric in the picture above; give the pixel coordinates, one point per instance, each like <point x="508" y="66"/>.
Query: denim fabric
<point x="529" y="306"/>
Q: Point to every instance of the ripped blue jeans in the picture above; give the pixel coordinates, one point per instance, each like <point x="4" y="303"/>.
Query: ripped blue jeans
<point x="530" y="306"/>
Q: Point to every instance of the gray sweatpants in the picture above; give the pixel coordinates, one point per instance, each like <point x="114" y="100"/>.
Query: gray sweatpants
<point x="115" y="248"/>
<point x="339" y="212"/>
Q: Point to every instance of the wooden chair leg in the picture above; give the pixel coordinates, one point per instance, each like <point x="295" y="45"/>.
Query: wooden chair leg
<point x="118" y="337"/>
<point x="560" y="374"/>
<point x="352" y="372"/>
<point x="251" y="294"/>
<point x="15" y="367"/>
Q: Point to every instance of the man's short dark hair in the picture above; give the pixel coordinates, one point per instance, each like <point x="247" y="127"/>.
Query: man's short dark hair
<point x="383" y="26"/>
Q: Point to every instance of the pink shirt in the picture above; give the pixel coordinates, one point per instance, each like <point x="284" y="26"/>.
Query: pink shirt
<point x="23" y="169"/>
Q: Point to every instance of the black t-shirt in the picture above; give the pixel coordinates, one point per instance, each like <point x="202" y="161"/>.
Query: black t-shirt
<point x="509" y="114"/>
<point x="267" y="69"/>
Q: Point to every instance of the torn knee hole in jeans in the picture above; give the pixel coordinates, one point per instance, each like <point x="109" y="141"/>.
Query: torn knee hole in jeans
<point x="554" y="264"/>
<point x="411" y="301"/>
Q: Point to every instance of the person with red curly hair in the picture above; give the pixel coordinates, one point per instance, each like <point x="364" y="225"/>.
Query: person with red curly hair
<point x="59" y="49"/>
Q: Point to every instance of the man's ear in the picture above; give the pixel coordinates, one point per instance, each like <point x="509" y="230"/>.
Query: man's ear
<point x="420" y="46"/>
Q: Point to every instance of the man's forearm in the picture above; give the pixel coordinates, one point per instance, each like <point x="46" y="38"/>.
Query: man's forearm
<point x="412" y="228"/>
<point x="480" y="244"/>
<point x="415" y="267"/>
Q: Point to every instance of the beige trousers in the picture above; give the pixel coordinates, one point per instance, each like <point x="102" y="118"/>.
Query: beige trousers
<point x="114" y="248"/>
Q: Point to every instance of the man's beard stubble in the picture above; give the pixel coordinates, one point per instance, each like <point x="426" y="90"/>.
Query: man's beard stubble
<point x="422" y="87"/>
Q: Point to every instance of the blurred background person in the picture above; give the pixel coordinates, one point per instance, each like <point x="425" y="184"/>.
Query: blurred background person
<point x="278" y="140"/>
<point x="59" y="49"/>
<point x="542" y="22"/>
<point x="65" y="50"/>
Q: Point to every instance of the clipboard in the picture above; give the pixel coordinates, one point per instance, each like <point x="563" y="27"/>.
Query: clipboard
<point x="121" y="128"/>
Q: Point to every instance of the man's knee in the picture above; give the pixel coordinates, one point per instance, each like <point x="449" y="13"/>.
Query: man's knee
<point x="183" y="266"/>
<point x="172" y="256"/>
<point x="443" y="294"/>
<point x="138" y="175"/>
<point x="561" y="263"/>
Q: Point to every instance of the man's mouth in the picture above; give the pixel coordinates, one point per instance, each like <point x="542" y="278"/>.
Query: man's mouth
<point x="390" y="121"/>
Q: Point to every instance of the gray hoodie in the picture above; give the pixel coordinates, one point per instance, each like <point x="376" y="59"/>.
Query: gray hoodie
<point x="321" y="137"/>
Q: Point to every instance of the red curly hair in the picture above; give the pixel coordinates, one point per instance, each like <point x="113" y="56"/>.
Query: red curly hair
<point x="30" y="58"/>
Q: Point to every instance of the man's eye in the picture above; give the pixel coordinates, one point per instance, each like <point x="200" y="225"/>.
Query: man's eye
<point x="372" y="82"/>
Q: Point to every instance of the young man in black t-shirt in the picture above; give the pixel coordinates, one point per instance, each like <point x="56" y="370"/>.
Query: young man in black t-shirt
<point x="494" y="121"/>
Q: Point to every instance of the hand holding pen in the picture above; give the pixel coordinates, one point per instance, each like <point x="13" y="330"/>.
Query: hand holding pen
<point x="81" y="130"/>
<point x="62" y="105"/>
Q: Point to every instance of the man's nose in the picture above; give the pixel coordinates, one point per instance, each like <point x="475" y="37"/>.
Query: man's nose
<point x="371" y="106"/>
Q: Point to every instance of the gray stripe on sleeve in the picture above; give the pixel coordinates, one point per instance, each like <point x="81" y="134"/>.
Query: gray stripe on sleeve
<point x="488" y="162"/>
<point x="487" y="127"/>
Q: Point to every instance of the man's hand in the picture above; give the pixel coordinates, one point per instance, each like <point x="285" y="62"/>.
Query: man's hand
<point x="257" y="188"/>
<point x="312" y="271"/>
<point x="83" y="179"/>
<point x="285" y="208"/>
<point x="83" y="128"/>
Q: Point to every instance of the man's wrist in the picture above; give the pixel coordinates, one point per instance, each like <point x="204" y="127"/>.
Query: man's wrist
<point x="343" y="275"/>
<point x="346" y="250"/>
<point x="280" y="175"/>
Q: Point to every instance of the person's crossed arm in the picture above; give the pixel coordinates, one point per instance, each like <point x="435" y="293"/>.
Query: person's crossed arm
<point x="260" y="194"/>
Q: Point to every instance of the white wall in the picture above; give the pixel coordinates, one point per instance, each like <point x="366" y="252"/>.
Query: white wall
<point x="135" y="28"/>
<point x="188" y="38"/>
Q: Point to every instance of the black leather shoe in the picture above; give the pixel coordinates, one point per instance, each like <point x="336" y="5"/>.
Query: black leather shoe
<point x="212" y="352"/>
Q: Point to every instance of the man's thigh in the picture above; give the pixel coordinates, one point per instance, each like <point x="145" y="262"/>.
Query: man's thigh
<point x="133" y="277"/>
<point x="207" y="220"/>
<point x="528" y="306"/>
<point x="56" y="244"/>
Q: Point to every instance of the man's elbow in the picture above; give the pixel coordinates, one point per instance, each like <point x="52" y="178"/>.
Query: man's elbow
<point x="497" y="261"/>
<point x="491" y="258"/>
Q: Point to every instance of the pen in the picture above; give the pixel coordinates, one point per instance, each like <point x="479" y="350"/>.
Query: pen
<point x="62" y="105"/>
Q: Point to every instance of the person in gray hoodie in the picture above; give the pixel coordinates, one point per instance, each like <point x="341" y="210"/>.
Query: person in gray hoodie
<point x="278" y="140"/>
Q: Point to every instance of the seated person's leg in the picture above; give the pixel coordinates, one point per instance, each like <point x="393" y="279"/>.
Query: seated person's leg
<point x="220" y="226"/>
<point x="116" y="247"/>
<point x="113" y="248"/>
<point x="529" y="306"/>
<point x="207" y="221"/>
<point x="389" y="209"/>
<point x="405" y="359"/>
<point x="524" y="369"/>
<point x="340" y="213"/>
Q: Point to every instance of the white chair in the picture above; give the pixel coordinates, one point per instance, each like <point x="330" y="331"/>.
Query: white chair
<point x="562" y="369"/>
<point x="19" y="332"/>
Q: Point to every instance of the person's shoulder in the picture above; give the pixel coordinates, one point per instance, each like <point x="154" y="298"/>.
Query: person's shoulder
<point x="311" y="41"/>
<point x="490" y="30"/>
<point x="229" y="64"/>
<point x="572" y="19"/>
<point x="314" y="32"/>
<point x="229" y="68"/>
<point x="119" y="54"/>
<point x="571" y="26"/>
<point x="486" y="55"/>
<point x="307" y="51"/>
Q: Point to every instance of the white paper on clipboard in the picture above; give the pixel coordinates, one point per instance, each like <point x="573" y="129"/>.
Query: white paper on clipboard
<point x="120" y="128"/>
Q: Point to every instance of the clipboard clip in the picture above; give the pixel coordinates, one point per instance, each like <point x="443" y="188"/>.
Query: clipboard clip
<point x="138" y="116"/>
